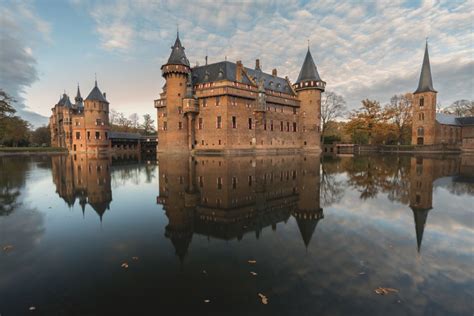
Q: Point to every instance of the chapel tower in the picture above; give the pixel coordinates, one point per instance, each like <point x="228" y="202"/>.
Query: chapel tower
<point x="424" y="106"/>
<point x="96" y="121"/>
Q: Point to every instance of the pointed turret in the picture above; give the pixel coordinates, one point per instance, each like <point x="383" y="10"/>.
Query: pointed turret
<point x="96" y="95"/>
<point x="307" y="222"/>
<point x="426" y="83"/>
<point x="177" y="57"/>
<point x="309" y="75"/>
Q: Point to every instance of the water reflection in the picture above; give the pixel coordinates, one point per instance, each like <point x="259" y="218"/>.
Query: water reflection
<point x="226" y="198"/>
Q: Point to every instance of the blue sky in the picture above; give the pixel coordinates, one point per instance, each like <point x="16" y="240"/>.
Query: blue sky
<point x="363" y="49"/>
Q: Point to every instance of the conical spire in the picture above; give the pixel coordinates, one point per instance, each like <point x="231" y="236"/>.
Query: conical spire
<point x="78" y="97"/>
<point x="426" y="83"/>
<point x="308" y="70"/>
<point x="420" y="216"/>
<point x="178" y="57"/>
<point x="96" y="94"/>
<point x="307" y="222"/>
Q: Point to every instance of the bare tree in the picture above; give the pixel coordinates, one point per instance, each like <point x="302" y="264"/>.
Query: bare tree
<point x="134" y="120"/>
<point x="399" y="113"/>
<point x="332" y="107"/>
<point x="461" y="108"/>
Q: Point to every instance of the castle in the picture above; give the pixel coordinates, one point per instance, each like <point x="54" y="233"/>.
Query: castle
<point x="82" y="126"/>
<point x="432" y="128"/>
<point x="225" y="107"/>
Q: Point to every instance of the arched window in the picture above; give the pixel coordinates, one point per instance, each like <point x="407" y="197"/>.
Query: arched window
<point x="422" y="101"/>
<point x="421" y="131"/>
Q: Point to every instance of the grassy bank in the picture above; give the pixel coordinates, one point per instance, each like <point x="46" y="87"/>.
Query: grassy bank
<point x="32" y="150"/>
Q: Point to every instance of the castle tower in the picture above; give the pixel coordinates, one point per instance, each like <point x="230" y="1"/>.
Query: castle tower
<point x="96" y="121"/>
<point x="424" y="106"/>
<point x="309" y="87"/>
<point x="174" y="130"/>
<point x="308" y="211"/>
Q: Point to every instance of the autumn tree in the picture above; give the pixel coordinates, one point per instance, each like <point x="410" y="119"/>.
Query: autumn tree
<point x="332" y="107"/>
<point x="14" y="131"/>
<point x="366" y="119"/>
<point x="399" y="113"/>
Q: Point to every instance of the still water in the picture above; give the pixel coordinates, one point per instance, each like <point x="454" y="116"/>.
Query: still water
<point x="307" y="235"/>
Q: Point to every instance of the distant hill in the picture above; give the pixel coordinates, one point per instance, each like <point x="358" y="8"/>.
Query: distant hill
<point x="35" y="119"/>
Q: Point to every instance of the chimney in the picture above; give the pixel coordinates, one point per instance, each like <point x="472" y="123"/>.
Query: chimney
<point x="257" y="64"/>
<point x="274" y="72"/>
<point x="238" y="72"/>
<point x="105" y="95"/>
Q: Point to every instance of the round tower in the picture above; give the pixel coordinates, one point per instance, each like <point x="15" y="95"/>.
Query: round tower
<point x="96" y="121"/>
<point x="309" y="87"/>
<point x="174" y="130"/>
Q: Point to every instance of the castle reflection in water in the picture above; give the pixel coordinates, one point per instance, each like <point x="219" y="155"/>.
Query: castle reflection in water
<point x="228" y="197"/>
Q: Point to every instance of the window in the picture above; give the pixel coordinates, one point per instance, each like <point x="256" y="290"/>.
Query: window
<point x="250" y="123"/>
<point x="99" y="122"/>
<point x="201" y="182"/>
<point x="180" y="125"/>
<point x="294" y="110"/>
<point x="420" y="131"/>
<point x="180" y="110"/>
<point x="294" y="126"/>
<point x="250" y="180"/>
<point x="88" y="135"/>
<point x="200" y="124"/>
<point x="204" y="103"/>
<point x="106" y="135"/>
<point x="422" y="102"/>
<point x="219" y="183"/>
<point x="287" y="126"/>
<point x="264" y="125"/>
<point x="281" y="126"/>
<point x="234" y="122"/>
<point x="78" y="123"/>
<point x="421" y="116"/>
<point x="78" y="135"/>
<point x="218" y="101"/>
<point x="271" y="125"/>
<point x="234" y="183"/>
<point x="97" y="135"/>
<point x="219" y="122"/>
<point x="233" y="101"/>
<point x="165" y="126"/>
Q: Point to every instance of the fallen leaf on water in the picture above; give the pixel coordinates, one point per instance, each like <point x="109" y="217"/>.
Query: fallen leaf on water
<point x="384" y="290"/>
<point x="7" y="247"/>
<point x="207" y="301"/>
<point x="124" y="265"/>
<point x="361" y="273"/>
<point x="135" y="258"/>
<point x="204" y="271"/>
<point x="263" y="298"/>
<point x="32" y="308"/>
<point x="253" y="273"/>
<point x="252" y="261"/>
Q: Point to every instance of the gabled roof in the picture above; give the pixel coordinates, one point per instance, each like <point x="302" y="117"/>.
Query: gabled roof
<point x="226" y="70"/>
<point x="64" y="101"/>
<point x="96" y="95"/>
<point x="425" y="83"/>
<point x="124" y="135"/>
<point x="178" y="57"/>
<point x="308" y="70"/>
<point x="465" y="121"/>
<point x="446" y="119"/>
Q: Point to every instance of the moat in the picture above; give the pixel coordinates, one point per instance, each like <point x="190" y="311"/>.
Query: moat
<point x="249" y="235"/>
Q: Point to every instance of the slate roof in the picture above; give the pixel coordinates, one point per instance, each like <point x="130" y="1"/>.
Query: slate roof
<point x="450" y="119"/>
<point x="447" y="119"/>
<point x="226" y="70"/>
<point x="124" y="135"/>
<point x="308" y="70"/>
<point x="64" y="101"/>
<point x="178" y="57"/>
<point x="425" y="83"/>
<point x="464" y="121"/>
<point x="96" y="95"/>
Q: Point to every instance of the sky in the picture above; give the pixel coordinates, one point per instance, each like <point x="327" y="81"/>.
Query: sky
<point x="363" y="49"/>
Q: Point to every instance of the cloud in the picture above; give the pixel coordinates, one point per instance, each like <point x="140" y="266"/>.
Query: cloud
<point x="17" y="61"/>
